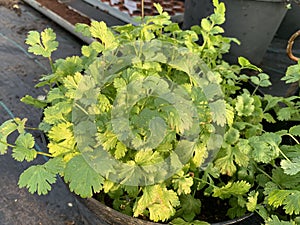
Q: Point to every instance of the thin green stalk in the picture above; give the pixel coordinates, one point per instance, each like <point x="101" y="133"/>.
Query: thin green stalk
<point x="256" y="88"/>
<point x="82" y="109"/>
<point x="266" y="174"/>
<point x="44" y="153"/>
<point x="51" y="64"/>
<point x="31" y="128"/>
<point x="204" y="181"/>
<point x="7" y="144"/>
<point x="294" y="138"/>
<point x="284" y="155"/>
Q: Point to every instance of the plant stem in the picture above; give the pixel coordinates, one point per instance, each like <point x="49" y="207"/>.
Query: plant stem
<point x="51" y="64"/>
<point x="7" y="144"/>
<point x="256" y="88"/>
<point x="204" y="181"/>
<point x="44" y="153"/>
<point x="32" y="128"/>
<point x="284" y="156"/>
<point x="294" y="138"/>
<point x="266" y="174"/>
<point x="82" y="109"/>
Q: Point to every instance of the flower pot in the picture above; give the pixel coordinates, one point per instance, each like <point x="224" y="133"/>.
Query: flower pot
<point x="253" y="22"/>
<point x="96" y="213"/>
<point x="290" y="23"/>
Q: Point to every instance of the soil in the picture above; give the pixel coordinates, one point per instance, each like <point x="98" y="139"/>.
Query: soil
<point x="64" y="11"/>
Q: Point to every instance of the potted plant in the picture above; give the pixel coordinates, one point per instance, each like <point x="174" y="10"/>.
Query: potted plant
<point x="156" y="126"/>
<point x="253" y="22"/>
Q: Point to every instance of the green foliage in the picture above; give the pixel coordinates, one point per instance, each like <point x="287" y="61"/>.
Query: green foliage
<point x="38" y="178"/>
<point x="149" y="75"/>
<point x="82" y="178"/>
<point x="189" y="207"/>
<point x="42" y="44"/>
<point x="159" y="201"/>
<point x="24" y="148"/>
<point x="289" y="199"/>
<point x="235" y="188"/>
<point x="274" y="220"/>
<point x="6" y="129"/>
<point x="29" y="100"/>
<point x="292" y="74"/>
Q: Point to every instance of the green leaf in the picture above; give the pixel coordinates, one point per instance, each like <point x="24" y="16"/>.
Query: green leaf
<point x="68" y="67"/>
<point x="232" y="136"/>
<point x="262" y="80"/>
<point x="180" y="221"/>
<point x="285" y="113"/>
<point x="55" y="165"/>
<point x="57" y="113"/>
<point x="101" y="31"/>
<point x="245" y="104"/>
<point x="252" y="201"/>
<point x="218" y="111"/>
<point x="29" y="100"/>
<point x="83" y="28"/>
<point x="245" y="64"/>
<point x="205" y="24"/>
<point x="61" y="131"/>
<point x="24" y="148"/>
<point x="225" y="161"/>
<point x="37" y="179"/>
<point x="158" y="8"/>
<point x="42" y="44"/>
<point x="189" y="207"/>
<point x="265" y="147"/>
<point x="82" y="178"/>
<point x="55" y="94"/>
<point x="232" y="188"/>
<point x="291" y="167"/>
<point x="272" y="101"/>
<point x="229" y="114"/>
<point x="274" y="220"/>
<point x="6" y="129"/>
<point x="295" y="130"/>
<point x="71" y="84"/>
<point x="108" y="140"/>
<point x="269" y="118"/>
<point x="182" y="183"/>
<point x="121" y="150"/>
<point x="292" y="74"/>
<point x="160" y="202"/>
<point x="284" y="180"/>
<point x="62" y="141"/>
<point x="289" y="199"/>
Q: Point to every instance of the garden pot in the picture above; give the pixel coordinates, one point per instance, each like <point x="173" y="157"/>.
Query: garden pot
<point x="253" y="22"/>
<point x="290" y="23"/>
<point x="100" y="214"/>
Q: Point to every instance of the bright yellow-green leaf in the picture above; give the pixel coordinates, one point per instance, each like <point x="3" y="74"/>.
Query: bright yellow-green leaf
<point x="160" y="202"/>
<point x="24" y="148"/>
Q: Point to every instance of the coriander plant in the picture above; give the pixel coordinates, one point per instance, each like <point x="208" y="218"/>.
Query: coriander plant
<point x="155" y="120"/>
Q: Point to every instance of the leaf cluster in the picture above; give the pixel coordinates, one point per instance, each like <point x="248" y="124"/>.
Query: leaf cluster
<point x="249" y="168"/>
